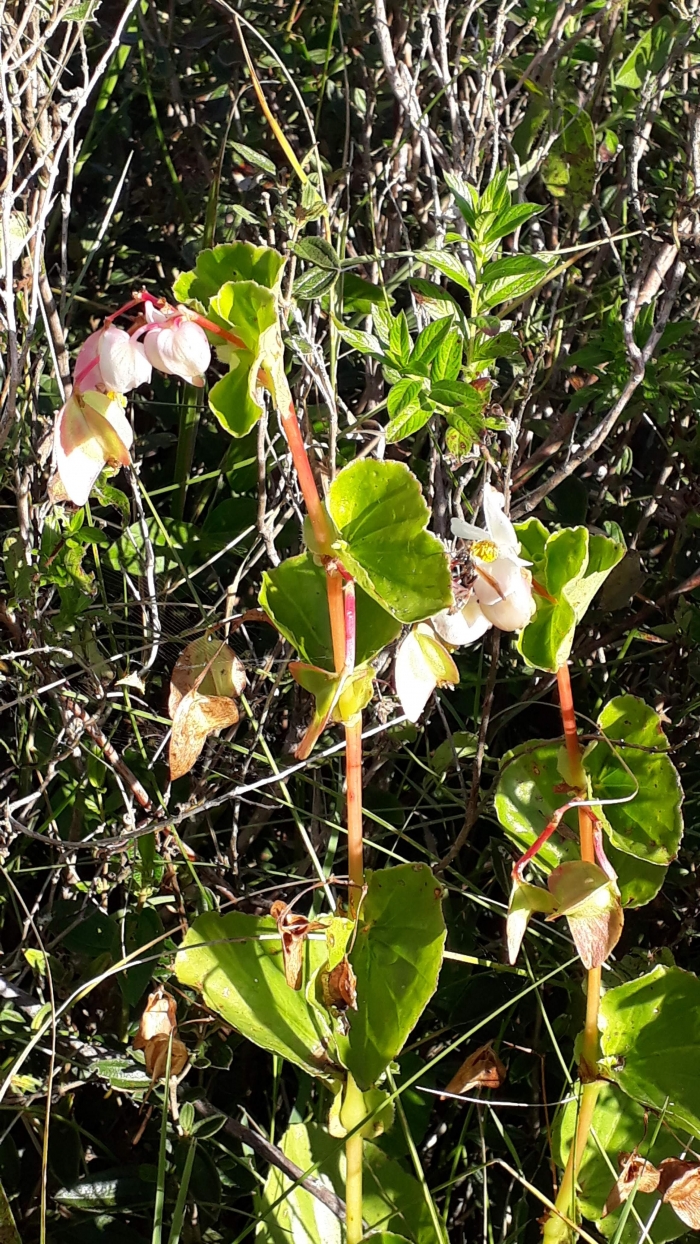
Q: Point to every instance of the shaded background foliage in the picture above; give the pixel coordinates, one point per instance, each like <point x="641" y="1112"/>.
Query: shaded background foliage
<point x="594" y="107"/>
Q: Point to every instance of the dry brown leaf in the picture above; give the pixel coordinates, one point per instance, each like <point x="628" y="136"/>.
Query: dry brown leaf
<point x="196" y="717"/>
<point x="293" y="929"/>
<point x="339" y="986"/>
<point x="209" y="666"/>
<point x="482" y="1069"/>
<point x="156" y="1056"/>
<point x="634" y="1172"/>
<point x="159" y="1018"/>
<point x="679" y="1185"/>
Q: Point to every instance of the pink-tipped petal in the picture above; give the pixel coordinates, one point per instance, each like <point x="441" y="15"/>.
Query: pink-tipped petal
<point x="179" y="349"/>
<point x="123" y="361"/>
<point x="87" y="373"/>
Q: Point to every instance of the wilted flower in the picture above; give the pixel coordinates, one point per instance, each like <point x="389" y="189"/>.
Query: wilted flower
<point x="176" y="345"/>
<point x="91" y="431"/>
<point x="502" y="588"/>
<point x="590" y="900"/>
<point x="422" y="664"/>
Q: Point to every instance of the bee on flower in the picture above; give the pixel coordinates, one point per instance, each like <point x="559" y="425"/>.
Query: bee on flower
<point x="495" y="589"/>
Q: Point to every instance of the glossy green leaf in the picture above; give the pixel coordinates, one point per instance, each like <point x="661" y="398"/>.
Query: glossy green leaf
<point x="405" y="393"/>
<point x="396" y="957"/>
<point x="234" y="400"/>
<point x="457" y="393"/>
<point x="570" y="566"/>
<point x="530" y="789"/>
<point x="314" y="283"/>
<point x="336" y="699"/>
<point x="391" y="1198"/>
<point x="232" y="261"/>
<point x="619" y="1126"/>
<point x="380" y="514"/>
<point x="248" y="309"/>
<point x="294" y="596"/>
<point x="449" y="265"/>
<point x="361" y="295"/>
<point x="411" y="419"/>
<point x="400" y="345"/>
<point x="429" y="341"/>
<point x="235" y="962"/>
<point x="317" y="251"/>
<point x="447" y="363"/>
<point x="510" y="278"/>
<point x="569" y="170"/>
<point x="650" y="825"/>
<point x="649" y="53"/>
<point x="510" y="219"/>
<point x="650" y="1032"/>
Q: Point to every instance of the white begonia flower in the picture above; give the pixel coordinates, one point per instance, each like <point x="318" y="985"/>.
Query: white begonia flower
<point x="122" y="360"/>
<point x="422" y="664"/>
<point x="177" y="346"/>
<point x="502" y="590"/>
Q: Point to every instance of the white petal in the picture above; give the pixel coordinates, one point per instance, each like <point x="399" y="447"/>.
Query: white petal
<point x="123" y="362"/>
<point x="467" y="531"/>
<point x="153" y="314"/>
<point x="514" y="611"/>
<point x="495" y="580"/>
<point x="500" y="528"/>
<point x="414" y="679"/>
<point x="179" y="350"/>
<point x="77" y="455"/>
<point x="465" y="626"/>
<point x="86" y="373"/>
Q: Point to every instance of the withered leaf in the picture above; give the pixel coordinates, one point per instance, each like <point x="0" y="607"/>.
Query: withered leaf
<point x="482" y="1069"/>
<point x="679" y="1185"/>
<point x="339" y="987"/>
<point x="156" y="1056"/>
<point x="634" y="1172"/>
<point x="196" y="717"/>
<point x="209" y="666"/>
<point x="159" y="1018"/>
<point x="293" y="929"/>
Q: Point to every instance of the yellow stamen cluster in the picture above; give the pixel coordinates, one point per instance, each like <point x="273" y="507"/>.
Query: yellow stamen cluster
<point x="484" y="550"/>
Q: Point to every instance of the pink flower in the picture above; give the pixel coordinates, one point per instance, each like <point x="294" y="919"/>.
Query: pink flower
<point x="91" y="430"/>
<point x="111" y="360"/>
<point x="177" y="346"/>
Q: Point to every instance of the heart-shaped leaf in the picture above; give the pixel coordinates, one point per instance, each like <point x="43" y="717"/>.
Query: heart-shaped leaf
<point x="235" y="961"/>
<point x="380" y="514"/>
<point x="232" y="261"/>
<point x="396" y="958"/>
<point x="294" y="596"/>
<point x="650" y="1030"/>
<point x="650" y="825"/>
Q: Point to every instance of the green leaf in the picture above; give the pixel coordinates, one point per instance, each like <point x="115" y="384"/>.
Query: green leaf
<point x="360" y="295"/>
<point x="457" y="393"/>
<point x="294" y="596"/>
<point x="569" y="171"/>
<point x="649" y="54"/>
<point x="400" y="338"/>
<point x="449" y="265"/>
<point x="358" y="688"/>
<point x="391" y="1198"/>
<point x="510" y="278"/>
<point x="429" y="340"/>
<point x="530" y="789"/>
<point x="380" y="514"/>
<point x="317" y="251"/>
<point x="650" y="1028"/>
<point x="396" y="957"/>
<point x="503" y="345"/>
<point x="571" y="567"/>
<point x="365" y="343"/>
<point x="510" y="220"/>
<point x="232" y="261"/>
<point x="314" y="283"/>
<point x="619" y="1126"/>
<point x="411" y="419"/>
<point x="650" y="825"/>
<point x="251" y="156"/>
<point x="8" y="1227"/>
<point x="233" y="399"/>
<point x="241" y="977"/>
<point x="466" y="197"/>
<point x="447" y="363"/>
<point x="496" y="196"/>
<point x="405" y="393"/>
<point x="247" y="308"/>
<point x="128" y="552"/>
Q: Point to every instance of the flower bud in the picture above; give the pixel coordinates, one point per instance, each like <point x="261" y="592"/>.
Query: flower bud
<point x="123" y="363"/>
<point x="504" y="592"/>
<point x="179" y="347"/>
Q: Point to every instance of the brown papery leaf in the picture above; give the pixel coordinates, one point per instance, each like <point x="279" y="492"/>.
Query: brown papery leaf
<point x="158" y="1019"/>
<point x="482" y="1069"/>
<point x="634" y="1172"/>
<point x="293" y="929"/>
<point x="209" y="666"/>
<point x="340" y="986"/>
<point x="196" y="717"/>
<point x="679" y="1185"/>
<point x="156" y="1056"/>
